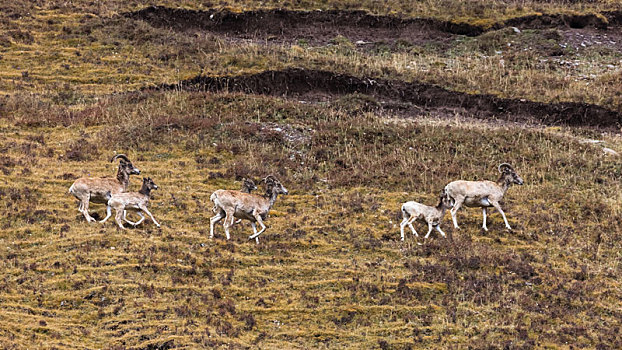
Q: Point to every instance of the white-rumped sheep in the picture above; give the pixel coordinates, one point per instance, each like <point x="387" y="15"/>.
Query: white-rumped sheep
<point x="135" y="201"/>
<point x="94" y="189"/>
<point x="230" y="205"/>
<point x="433" y="216"/>
<point x="483" y="194"/>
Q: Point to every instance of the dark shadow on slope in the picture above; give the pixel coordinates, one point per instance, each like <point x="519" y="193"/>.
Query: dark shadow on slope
<point x="295" y="83"/>
<point x="320" y="26"/>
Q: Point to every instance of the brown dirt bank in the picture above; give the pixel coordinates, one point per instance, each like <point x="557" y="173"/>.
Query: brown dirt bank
<point x="302" y="82"/>
<point x="322" y="25"/>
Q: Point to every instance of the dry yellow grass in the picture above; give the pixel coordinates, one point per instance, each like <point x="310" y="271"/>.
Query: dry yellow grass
<point x="79" y="55"/>
<point x="330" y="271"/>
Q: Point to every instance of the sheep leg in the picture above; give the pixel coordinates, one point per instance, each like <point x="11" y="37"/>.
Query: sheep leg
<point x="430" y="227"/>
<point x="86" y="209"/>
<point x="125" y="217"/>
<point x="84" y="202"/>
<point x="402" y="226"/>
<point x="81" y="208"/>
<point x="108" y="214"/>
<point x="142" y="218"/>
<point x="254" y="231"/>
<point x="412" y="228"/>
<point x="498" y="207"/>
<point x="263" y="226"/>
<point x="457" y="204"/>
<point x="233" y="221"/>
<point x="118" y="218"/>
<point x="484" y="224"/>
<point x="438" y="228"/>
<point x="143" y="208"/>
<point x="410" y="224"/>
<point x="213" y="220"/>
<point x="408" y="221"/>
<point x="228" y="222"/>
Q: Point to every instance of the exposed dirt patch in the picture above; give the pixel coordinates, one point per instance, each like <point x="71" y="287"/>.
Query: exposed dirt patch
<point x="586" y="38"/>
<point x="313" y="27"/>
<point x="321" y="26"/>
<point x="410" y="97"/>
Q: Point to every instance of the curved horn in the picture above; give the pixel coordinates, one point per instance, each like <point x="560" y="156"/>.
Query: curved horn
<point x="269" y="178"/>
<point x="122" y="156"/>
<point x="505" y="165"/>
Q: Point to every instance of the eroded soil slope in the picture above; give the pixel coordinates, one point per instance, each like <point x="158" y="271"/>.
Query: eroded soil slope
<point x="318" y="26"/>
<point x="313" y="83"/>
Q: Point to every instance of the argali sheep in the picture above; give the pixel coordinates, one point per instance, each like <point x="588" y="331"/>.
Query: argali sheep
<point x="230" y="205"/>
<point x="483" y="194"/>
<point x="94" y="189"/>
<point x="248" y="186"/>
<point x="433" y="216"/>
<point x="135" y="201"/>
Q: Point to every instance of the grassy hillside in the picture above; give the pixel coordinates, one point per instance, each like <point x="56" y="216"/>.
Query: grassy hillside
<point x="330" y="271"/>
<point x="74" y="53"/>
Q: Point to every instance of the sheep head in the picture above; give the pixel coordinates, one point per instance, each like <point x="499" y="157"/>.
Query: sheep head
<point x="125" y="164"/>
<point x="274" y="186"/>
<point x="509" y="174"/>
<point x="249" y="184"/>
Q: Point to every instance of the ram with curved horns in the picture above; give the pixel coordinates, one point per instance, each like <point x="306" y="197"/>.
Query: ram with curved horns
<point x="98" y="189"/>
<point x="483" y="194"/>
<point x="231" y="205"/>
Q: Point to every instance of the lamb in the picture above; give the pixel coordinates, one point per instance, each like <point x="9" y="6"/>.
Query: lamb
<point x="254" y="208"/>
<point x="483" y="194"/>
<point x="136" y="201"/>
<point x="94" y="189"/>
<point x="412" y="211"/>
